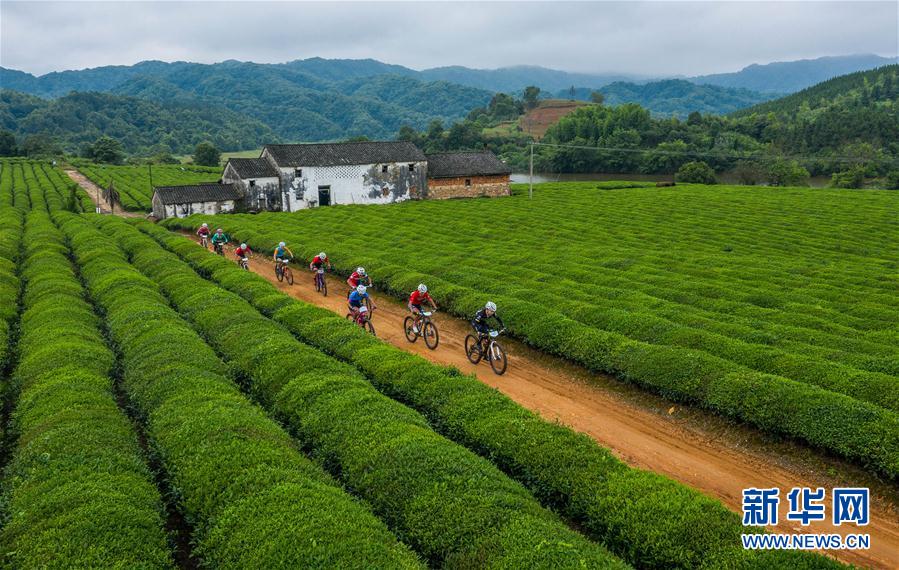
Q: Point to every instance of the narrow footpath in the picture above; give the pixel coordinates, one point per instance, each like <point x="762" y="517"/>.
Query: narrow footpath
<point x="96" y="194"/>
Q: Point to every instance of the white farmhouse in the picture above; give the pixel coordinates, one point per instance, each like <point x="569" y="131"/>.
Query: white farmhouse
<point x="182" y="201"/>
<point x="347" y="173"/>
<point x="258" y="182"/>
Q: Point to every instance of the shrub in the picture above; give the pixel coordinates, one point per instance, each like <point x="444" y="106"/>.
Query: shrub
<point x="696" y="172"/>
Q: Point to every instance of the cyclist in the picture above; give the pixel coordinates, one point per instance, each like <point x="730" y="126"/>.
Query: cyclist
<point x="484" y="314"/>
<point x="358" y="277"/>
<point x="203" y="232"/>
<point x="219" y="238"/>
<point x="282" y="253"/>
<point x="319" y="260"/>
<point x="357" y="299"/>
<point x="416" y="300"/>
<point x="242" y="252"/>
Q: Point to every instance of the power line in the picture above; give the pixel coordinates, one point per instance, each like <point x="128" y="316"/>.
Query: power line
<point x="720" y="155"/>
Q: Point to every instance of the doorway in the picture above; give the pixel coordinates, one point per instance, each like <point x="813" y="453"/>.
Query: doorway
<point x="324" y="195"/>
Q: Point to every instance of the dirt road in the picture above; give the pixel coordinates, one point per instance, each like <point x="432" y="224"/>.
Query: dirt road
<point x="96" y="194"/>
<point x="647" y="432"/>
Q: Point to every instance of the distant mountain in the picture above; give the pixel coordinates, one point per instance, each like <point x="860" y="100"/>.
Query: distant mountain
<point x="80" y="118"/>
<point x="792" y="76"/>
<point x="673" y="97"/>
<point x="302" y="100"/>
<point x="514" y="79"/>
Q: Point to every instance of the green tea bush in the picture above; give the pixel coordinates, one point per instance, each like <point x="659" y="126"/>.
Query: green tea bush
<point x="77" y="476"/>
<point x="452" y="506"/>
<point x="225" y="459"/>
<point x="647" y="519"/>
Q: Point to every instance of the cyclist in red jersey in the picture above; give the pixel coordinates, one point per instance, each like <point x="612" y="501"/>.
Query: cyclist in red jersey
<point x="416" y="300"/>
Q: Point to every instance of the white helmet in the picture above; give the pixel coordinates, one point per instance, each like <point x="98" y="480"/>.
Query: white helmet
<point x="218" y="230"/>
<point x="360" y="271"/>
<point x="323" y="255"/>
<point x="243" y="246"/>
<point x="422" y="288"/>
<point x="205" y="225"/>
<point x="490" y="306"/>
<point x="281" y="244"/>
<point x="361" y="289"/>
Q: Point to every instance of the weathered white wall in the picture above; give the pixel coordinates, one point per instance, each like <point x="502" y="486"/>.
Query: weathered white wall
<point x="355" y="184"/>
<point x="265" y="195"/>
<point x="209" y="208"/>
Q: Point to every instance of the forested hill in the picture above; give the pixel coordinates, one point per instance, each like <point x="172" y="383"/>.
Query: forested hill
<point x="140" y="125"/>
<point x="305" y="100"/>
<point x="673" y="97"/>
<point x="876" y="87"/>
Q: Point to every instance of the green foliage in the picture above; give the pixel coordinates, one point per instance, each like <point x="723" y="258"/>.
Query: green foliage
<point x="696" y="172"/>
<point x="105" y="149"/>
<point x="852" y="178"/>
<point x="649" y="520"/>
<point x="787" y="173"/>
<point x="76" y="467"/>
<point x="252" y="499"/>
<point x="8" y="146"/>
<point x="892" y="180"/>
<point x="531" y="96"/>
<point x="455" y="508"/>
<point x="691" y="278"/>
<point x="206" y="154"/>
<point x="133" y="182"/>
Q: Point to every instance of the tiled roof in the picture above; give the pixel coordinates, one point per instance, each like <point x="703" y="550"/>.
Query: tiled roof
<point x="334" y="154"/>
<point x="253" y="168"/>
<point x="455" y="164"/>
<point x="197" y="193"/>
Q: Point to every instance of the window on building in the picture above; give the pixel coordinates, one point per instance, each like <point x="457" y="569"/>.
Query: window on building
<point x="411" y="167"/>
<point x="384" y="168"/>
<point x="468" y="181"/>
<point x="298" y="172"/>
<point x="252" y="183"/>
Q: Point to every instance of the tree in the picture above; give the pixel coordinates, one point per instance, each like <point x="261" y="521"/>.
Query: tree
<point x="597" y="98"/>
<point x="531" y="94"/>
<point x="694" y="118"/>
<point x="40" y="145"/>
<point x="207" y="155"/>
<point x="787" y="173"/>
<point x="852" y="178"/>
<point x="106" y="149"/>
<point x="696" y="172"/>
<point x="8" y="144"/>
<point x="571" y="92"/>
<point x="892" y="180"/>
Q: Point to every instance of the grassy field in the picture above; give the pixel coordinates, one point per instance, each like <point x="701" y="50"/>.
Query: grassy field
<point x="133" y="182"/>
<point x="378" y="458"/>
<point x="774" y="306"/>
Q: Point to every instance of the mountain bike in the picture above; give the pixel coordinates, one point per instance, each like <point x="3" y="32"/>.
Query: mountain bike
<point x="244" y="263"/>
<point x="204" y="241"/>
<point x="321" y="284"/>
<point x="362" y="317"/>
<point x="219" y="248"/>
<point x="282" y="270"/>
<point x="426" y="329"/>
<point x="486" y="347"/>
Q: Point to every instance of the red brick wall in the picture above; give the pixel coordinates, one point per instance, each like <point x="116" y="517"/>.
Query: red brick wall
<point x="442" y="188"/>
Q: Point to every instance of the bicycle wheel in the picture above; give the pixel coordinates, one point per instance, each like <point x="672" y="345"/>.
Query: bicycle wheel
<point x="411" y="335"/>
<point x="497" y="357"/>
<point x="324" y="286"/>
<point x="432" y="337"/>
<point x="279" y="273"/>
<point x="317" y="281"/>
<point x="369" y="327"/>
<point x="473" y="349"/>
<point x="288" y="274"/>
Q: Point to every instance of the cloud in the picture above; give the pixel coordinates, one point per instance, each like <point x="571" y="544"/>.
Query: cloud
<point x="651" y="38"/>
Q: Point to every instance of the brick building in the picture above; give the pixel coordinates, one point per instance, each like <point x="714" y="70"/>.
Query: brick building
<point x="466" y="175"/>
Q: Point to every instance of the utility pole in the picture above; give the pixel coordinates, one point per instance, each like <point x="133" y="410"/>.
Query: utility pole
<point x="531" y="175"/>
<point x="150" y="168"/>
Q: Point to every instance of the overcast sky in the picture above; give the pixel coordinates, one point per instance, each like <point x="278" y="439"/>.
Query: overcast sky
<point x="652" y="38"/>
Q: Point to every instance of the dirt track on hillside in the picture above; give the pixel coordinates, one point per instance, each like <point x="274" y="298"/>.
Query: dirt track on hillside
<point x="646" y="432"/>
<point x="96" y="194"/>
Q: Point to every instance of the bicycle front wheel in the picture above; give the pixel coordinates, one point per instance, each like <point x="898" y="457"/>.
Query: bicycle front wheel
<point x="432" y="337"/>
<point x="288" y="274"/>
<point x="369" y="327"/>
<point x="497" y="357"/>
<point x="279" y="273"/>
